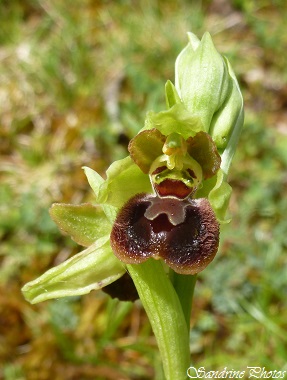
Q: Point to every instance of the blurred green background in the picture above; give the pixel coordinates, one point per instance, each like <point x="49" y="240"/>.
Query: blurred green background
<point x="76" y="79"/>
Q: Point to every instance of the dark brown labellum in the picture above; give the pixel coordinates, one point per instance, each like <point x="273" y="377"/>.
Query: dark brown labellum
<point x="124" y="289"/>
<point x="184" y="233"/>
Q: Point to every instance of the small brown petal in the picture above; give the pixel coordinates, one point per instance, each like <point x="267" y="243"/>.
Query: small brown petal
<point x="145" y="147"/>
<point x="184" y="233"/>
<point x="202" y="148"/>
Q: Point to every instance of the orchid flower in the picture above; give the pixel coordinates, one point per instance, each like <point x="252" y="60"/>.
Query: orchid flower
<point x="156" y="216"/>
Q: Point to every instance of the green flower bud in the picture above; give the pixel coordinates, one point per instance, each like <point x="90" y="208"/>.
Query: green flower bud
<point x="206" y="98"/>
<point x="227" y="123"/>
<point x="207" y="87"/>
<point x="201" y="79"/>
<point x="226" y="117"/>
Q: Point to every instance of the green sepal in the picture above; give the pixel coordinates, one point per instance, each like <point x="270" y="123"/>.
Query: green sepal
<point x="201" y="79"/>
<point x="171" y="95"/>
<point x="219" y="197"/>
<point x="85" y="223"/>
<point x="236" y="128"/>
<point x="145" y="147"/>
<point x="124" y="179"/>
<point x="91" y="269"/>
<point x="204" y="151"/>
<point x="193" y="40"/>
<point x="95" y="181"/>
<point x="218" y="192"/>
<point x="176" y="119"/>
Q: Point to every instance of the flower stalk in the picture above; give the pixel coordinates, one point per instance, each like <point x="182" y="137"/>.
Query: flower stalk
<point x="165" y="314"/>
<point x="184" y="287"/>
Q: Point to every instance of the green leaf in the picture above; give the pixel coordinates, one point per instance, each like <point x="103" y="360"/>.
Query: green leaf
<point x="124" y="179"/>
<point x="85" y="223"/>
<point x="145" y="147"/>
<point x="91" y="269"/>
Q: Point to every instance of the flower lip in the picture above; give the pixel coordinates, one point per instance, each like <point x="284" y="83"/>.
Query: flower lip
<point x="185" y="234"/>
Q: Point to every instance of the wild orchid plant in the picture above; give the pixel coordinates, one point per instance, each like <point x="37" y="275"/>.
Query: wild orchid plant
<point x="158" y="211"/>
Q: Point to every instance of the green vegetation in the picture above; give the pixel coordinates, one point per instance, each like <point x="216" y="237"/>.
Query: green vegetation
<point x="76" y="79"/>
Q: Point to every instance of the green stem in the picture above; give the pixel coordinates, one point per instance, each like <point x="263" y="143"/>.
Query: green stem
<point x="184" y="287"/>
<point x="166" y="316"/>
